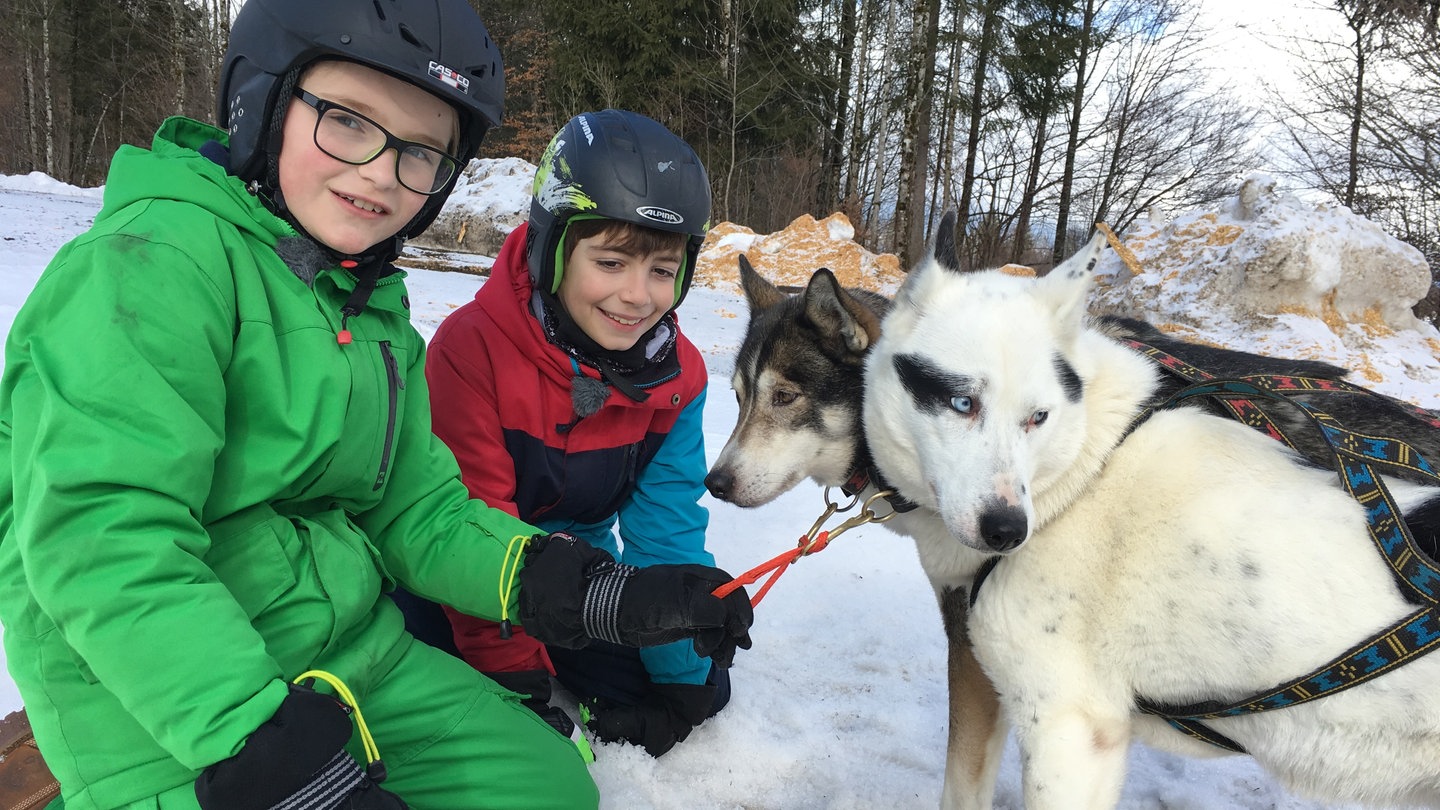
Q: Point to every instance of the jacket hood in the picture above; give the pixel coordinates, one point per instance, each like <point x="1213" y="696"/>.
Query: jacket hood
<point x="506" y="298"/>
<point x="173" y="169"/>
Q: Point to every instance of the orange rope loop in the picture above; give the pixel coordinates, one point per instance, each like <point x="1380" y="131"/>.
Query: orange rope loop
<point x="811" y="542"/>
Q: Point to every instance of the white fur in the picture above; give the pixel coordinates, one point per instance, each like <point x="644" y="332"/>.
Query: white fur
<point x="771" y="451"/>
<point x="1196" y="560"/>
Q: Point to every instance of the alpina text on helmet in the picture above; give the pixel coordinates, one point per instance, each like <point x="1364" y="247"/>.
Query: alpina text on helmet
<point x="658" y="214"/>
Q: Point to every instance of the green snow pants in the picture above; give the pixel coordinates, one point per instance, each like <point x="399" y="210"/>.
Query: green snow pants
<point x="454" y="740"/>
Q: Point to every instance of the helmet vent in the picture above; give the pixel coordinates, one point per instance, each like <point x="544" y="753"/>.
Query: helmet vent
<point x="379" y="10"/>
<point x="411" y="38"/>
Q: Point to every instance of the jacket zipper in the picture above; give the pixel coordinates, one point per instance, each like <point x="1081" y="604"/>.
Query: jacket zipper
<point x="627" y="482"/>
<point x="395" y="383"/>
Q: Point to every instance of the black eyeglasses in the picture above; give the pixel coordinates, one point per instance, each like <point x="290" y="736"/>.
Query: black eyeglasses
<point x="350" y="137"/>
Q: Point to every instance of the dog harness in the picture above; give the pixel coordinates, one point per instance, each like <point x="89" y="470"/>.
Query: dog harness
<point x="1359" y="458"/>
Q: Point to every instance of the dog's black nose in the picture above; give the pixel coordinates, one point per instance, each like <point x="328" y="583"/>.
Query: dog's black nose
<point x="720" y="483"/>
<point x="1003" y="527"/>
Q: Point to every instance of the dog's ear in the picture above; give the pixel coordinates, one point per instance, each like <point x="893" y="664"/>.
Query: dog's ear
<point x="1067" y="287"/>
<point x="837" y="314"/>
<point x="937" y="270"/>
<point x="759" y="293"/>
<point x="945" y="251"/>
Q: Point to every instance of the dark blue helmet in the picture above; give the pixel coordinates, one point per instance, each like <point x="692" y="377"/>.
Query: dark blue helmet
<point x="623" y="166"/>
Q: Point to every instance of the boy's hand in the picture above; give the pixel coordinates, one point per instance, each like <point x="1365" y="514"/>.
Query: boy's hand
<point x="296" y="759"/>
<point x="571" y="592"/>
<point x="664" y="717"/>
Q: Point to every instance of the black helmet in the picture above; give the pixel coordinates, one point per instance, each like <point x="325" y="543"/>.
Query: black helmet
<point x="618" y="165"/>
<point x="438" y="45"/>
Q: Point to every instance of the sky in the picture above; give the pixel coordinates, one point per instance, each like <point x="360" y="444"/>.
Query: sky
<point x="1251" y="38"/>
<point x="841" y="704"/>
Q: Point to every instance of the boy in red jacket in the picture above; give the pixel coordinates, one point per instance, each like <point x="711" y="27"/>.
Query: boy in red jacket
<point x="572" y="400"/>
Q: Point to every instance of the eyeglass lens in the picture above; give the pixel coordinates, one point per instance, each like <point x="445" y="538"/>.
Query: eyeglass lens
<point x="349" y="137"/>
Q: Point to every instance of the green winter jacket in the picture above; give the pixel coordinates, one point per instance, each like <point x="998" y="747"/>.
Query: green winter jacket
<point x="203" y="493"/>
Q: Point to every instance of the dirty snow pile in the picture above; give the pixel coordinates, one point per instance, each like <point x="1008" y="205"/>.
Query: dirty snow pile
<point x="789" y="257"/>
<point x="491" y="199"/>
<point x="1270" y="274"/>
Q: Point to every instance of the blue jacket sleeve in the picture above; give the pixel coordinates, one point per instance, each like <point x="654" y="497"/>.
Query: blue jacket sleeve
<point x="663" y="522"/>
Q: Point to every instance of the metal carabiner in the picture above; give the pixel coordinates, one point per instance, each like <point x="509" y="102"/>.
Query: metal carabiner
<point x="867" y="514"/>
<point x="808" y="541"/>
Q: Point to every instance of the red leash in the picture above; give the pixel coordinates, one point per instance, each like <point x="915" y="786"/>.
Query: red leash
<point x="812" y="541"/>
<point x="777" y="564"/>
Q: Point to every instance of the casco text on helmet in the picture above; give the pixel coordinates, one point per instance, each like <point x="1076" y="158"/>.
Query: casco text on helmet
<point x="623" y="166"/>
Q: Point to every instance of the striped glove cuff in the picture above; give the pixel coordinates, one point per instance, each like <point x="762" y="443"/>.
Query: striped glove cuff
<point x="329" y="786"/>
<point x="600" y="614"/>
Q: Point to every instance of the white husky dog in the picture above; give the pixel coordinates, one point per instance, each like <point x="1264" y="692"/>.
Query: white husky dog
<point x="1174" y="560"/>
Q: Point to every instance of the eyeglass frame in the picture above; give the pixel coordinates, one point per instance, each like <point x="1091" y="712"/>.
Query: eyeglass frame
<point x="322" y="106"/>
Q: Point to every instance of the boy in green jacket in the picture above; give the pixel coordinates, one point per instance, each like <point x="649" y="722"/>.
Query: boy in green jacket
<point x="219" y="457"/>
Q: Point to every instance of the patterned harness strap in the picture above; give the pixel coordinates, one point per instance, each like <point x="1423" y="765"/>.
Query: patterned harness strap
<point x="1357" y="457"/>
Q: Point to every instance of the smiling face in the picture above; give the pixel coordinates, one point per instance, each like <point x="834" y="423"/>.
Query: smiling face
<point x="613" y="291"/>
<point x="350" y="208"/>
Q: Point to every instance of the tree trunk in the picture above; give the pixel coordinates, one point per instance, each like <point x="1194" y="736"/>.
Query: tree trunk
<point x="829" y="188"/>
<point x="879" y="143"/>
<point x="48" y="135"/>
<point x="1032" y="183"/>
<point x="915" y="140"/>
<point x="179" y="45"/>
<point x="991" y="13"/>
<point x="32" y="117"/>
<point x="1077" y="105"/>
<point x="943" y="190"/>
<point x="1357" y="111"/>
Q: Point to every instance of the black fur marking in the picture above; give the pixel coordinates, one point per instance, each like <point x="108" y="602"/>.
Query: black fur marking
<point x="1424" y="523"/>
<point x="1069" y="380"/>
<point x="945" y="251"/>
<point x="929" y="386"/>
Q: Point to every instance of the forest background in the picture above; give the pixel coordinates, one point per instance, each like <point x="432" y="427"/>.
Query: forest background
<point x="1033" y="118"/>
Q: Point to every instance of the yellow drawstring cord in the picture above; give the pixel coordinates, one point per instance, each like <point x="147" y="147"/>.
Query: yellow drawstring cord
<point x="372" y="752"/>
<point x="508" y="569"/>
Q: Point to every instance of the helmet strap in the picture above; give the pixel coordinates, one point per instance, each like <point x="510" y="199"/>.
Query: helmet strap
<point x="267" y="188"/>
<point x="557" y="270"/>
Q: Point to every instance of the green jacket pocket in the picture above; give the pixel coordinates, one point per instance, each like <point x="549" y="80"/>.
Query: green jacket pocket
<point x="247" y="554"/>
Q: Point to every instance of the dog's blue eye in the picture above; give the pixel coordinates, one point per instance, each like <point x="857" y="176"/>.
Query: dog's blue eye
<point x="1039" y="417"/>
<point x="962" y="404"/>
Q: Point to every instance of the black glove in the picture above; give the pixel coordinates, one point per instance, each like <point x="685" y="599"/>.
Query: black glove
<point x="296" y="759"/>
<point x="572" y="592"/>
<point x="664" y="717"/>
<point x="534" y="684"/>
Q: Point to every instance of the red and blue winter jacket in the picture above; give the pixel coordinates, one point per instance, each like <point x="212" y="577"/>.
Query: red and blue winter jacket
<point x="501" y="399"/>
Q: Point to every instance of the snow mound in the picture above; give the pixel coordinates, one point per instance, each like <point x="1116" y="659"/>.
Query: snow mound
<point x="491" y="199"/>
<point x="791" y="256"/>
<point x="42" y="183"/>
<point x="1270" y="274"/>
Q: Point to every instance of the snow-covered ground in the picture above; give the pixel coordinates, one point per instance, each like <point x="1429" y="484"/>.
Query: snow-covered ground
<point x="841" y="703"/>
